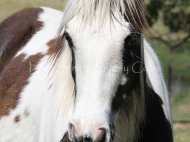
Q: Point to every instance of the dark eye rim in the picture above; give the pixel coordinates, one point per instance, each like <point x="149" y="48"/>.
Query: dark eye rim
<point x="132" y="42"/>
<point x="69" y="39"/>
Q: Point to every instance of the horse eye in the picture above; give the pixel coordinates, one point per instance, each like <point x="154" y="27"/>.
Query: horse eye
<point x="134" y="39"/>
<point x="69" y="39"/>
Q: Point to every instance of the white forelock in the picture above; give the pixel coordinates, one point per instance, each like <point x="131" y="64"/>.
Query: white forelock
<point x="133" y="10"/>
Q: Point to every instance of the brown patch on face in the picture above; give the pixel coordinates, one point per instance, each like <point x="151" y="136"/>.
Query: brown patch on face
<point x="13" y="79"/>
<point x="16" y="31"/>
<point x="51" y="45"/>
<point x="54" y="45"/>
<point x="17" y="119"/>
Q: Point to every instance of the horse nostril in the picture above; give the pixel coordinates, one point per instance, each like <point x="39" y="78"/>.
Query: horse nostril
<point x="102" y="135"/>
<point x="65" y="138"/>
<point x="71" y="132"/>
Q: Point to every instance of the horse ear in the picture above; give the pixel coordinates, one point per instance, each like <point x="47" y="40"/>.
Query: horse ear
<point x="155" y="79"/>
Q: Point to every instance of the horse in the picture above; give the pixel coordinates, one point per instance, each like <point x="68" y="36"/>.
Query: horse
<point x="83" y="75"/>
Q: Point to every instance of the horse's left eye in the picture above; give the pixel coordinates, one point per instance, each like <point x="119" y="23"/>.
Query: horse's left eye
<point x="133" y="41"/>
<point x="69" y="39"/>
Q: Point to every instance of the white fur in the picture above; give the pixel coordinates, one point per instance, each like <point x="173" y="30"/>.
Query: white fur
<point x="95" y="49"/>
<point x="124" y="80"/>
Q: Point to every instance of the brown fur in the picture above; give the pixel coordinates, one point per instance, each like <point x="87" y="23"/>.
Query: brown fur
<point x="17" y="119"/>
<point x="16" y="31"/>
<point x="56" y="47"/>
<point x="13" y="78"/>
<point x="51" y="45"/>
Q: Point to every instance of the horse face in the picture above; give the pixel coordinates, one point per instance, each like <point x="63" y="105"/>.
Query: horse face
<point x="103" y="64"/>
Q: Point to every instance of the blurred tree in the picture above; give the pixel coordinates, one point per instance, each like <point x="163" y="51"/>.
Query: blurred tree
<point x="175" y="17"/>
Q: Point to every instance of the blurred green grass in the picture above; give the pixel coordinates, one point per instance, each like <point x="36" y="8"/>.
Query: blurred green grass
<point x="181" y="107"/>
<point x="8" y="7"/>
<point x="181" y="113"/>
<point x="180" y="103"/>
<point x="181" y="132"/>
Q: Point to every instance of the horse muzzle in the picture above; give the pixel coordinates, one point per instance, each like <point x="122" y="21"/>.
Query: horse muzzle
<point x="101" y="135"/>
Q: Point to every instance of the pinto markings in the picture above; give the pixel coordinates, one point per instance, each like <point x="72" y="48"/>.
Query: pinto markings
<point x="17" y="119"/>
<point x="52" y="44"/>
<point x="13" y="78"/>
<point x="15" y="36"/>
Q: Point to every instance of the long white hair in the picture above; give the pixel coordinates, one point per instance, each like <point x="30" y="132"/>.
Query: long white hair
<point x="133" y="10"/>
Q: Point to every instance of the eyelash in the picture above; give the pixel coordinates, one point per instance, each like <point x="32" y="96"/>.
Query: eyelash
<point x="69" y="39"/>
